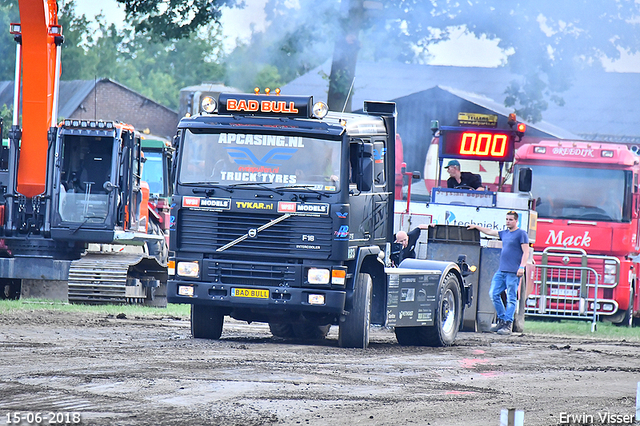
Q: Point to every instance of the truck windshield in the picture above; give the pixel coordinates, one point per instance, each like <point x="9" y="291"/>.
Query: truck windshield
<point x="578" y="193"/>
<point x="231" y="158"/>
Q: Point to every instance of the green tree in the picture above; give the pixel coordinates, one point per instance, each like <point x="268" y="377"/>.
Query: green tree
<point x="296" y="42"/>
<point x="175" y="20"/>
<point x="549" y="41"/>
<point x="8" y="14"/>
<point x="546" y="42"/>
<point x="6" y="115"/>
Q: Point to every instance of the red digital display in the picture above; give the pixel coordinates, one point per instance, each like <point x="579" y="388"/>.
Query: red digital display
<point x="476" y="144"/>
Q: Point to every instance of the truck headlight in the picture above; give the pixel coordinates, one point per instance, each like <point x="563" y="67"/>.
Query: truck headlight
<point x="320" y="110"/>
<point x="208" y="105"/>
<point x="318" y="276"/>
<point x="188" y="269"/>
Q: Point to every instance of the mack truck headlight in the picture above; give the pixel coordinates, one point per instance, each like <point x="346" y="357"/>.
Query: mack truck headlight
<point x="188" y="269"/>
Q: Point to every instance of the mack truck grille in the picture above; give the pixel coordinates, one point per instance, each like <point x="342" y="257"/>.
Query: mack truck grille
<point x="301" y="236"/>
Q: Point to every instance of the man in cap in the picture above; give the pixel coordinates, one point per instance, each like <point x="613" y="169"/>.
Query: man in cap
<point x="462" y="179"/>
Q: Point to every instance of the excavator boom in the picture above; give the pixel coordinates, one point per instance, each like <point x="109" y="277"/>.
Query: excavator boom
<point x="40" y="34"/>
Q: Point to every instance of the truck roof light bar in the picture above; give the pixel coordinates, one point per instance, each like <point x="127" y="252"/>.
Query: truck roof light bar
<point x="86" y="124"/>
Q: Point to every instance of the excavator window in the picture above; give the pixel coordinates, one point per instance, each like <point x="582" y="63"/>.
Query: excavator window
<point x="86" y="166"/>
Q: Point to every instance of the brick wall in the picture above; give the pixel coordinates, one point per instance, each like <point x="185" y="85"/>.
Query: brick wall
<point x="117" y="103"/>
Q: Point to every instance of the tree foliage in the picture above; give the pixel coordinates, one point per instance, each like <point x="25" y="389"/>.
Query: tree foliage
<point x="173" y="19"/>
<point x="545" y="42"/>
<point x="173" y="43"/>
<point x="94" y="49"/>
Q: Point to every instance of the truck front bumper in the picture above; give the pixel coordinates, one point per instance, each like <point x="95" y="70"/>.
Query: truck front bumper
<point x="260" y="298"/>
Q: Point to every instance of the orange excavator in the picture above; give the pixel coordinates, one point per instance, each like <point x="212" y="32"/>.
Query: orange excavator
<point x="74" y="222"/>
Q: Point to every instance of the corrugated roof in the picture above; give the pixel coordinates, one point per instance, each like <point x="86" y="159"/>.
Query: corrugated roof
<point x="489" y="103"/>
<point x="598" y="103"/>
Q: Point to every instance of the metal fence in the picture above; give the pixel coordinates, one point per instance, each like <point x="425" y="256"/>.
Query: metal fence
<point x="566" y="292"/>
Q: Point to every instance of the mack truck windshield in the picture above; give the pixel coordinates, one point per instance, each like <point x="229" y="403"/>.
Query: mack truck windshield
<point x="587" y="200"/>
<point x="283" y="213"/>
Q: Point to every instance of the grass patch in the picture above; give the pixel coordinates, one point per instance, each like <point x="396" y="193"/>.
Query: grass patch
<point x="604" y="330"/>
<point x="131" y="311"/>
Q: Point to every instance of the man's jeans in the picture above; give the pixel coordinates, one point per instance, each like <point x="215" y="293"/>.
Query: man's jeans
<point x="504" y="281"/>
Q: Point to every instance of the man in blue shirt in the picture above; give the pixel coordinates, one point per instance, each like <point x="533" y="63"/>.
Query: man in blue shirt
<point x="513" y="259"/>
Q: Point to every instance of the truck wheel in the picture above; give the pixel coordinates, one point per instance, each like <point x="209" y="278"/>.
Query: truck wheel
<point x="626" y="320"/>
<point x="354" y="328"/>
<point x="447" y="316"/>
<point x="308" y="331"/>
<point x="447" y="319"/>
<point x="206" y="322"/>
<point x="282" y="330"/>
<point x="157" y="249"/>
<point x="407" y="336"/>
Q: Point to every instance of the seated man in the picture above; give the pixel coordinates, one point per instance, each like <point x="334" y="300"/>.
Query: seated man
<point x="464" y="179"/>
<point x="405" y="244"/>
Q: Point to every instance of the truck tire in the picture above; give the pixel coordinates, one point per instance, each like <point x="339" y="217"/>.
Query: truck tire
<point x="282" y="330"/>
<point x="301" y="331"/>
<point x="626" y="320"/>
<point x="354" y="328"/>
<point x="206" y="322"/>
<point x="447" y="319"/>
<point x="308" y="331"/>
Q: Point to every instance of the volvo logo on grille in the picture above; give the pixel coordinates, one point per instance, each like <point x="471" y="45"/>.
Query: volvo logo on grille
<point x="253" y="232"/>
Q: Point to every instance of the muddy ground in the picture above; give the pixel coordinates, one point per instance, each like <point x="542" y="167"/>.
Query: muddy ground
<point x="142" y="371"/>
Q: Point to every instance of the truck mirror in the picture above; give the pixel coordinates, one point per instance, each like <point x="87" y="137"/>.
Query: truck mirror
<point x="524" y="179"/>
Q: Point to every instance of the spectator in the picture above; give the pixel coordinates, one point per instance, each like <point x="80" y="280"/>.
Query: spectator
<point x="405" y="244"/>
<point x="462" y="179"/>
<point x="513" y="259"/>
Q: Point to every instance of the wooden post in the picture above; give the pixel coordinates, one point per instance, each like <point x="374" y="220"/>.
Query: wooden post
<point x="513" y="417"/>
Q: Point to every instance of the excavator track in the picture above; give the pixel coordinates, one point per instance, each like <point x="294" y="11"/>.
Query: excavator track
<point x="99" y="278"/>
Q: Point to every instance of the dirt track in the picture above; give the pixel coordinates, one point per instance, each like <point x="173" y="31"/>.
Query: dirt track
<point x="151" y="372"/>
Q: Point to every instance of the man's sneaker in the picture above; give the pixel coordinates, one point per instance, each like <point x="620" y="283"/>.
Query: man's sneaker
<point x="506" y="328"/>
<point x="497" y="326"/>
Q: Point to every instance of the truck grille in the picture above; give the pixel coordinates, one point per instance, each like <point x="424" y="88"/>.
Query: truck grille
<point x="205" y="232"/>
<point x="251" y="273"/>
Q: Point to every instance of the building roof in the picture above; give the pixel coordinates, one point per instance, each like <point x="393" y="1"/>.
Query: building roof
<point x="599" y="105"/>
<point x="72" y="94"/>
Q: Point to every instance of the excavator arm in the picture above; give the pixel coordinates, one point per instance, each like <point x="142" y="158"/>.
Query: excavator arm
<point x="39" y="42"/>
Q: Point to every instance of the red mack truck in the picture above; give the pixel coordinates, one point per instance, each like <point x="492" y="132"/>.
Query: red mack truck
<point x="588" y="202"/>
